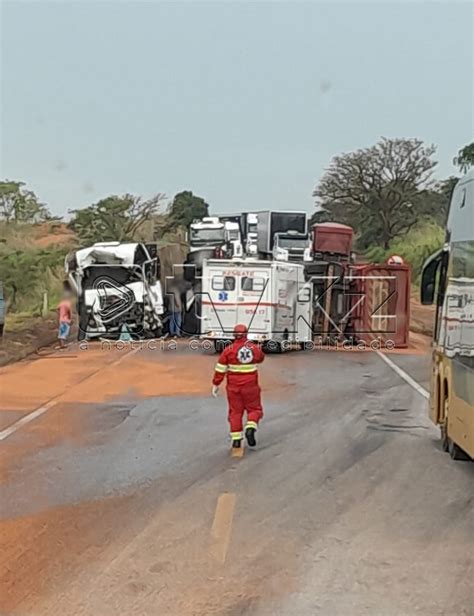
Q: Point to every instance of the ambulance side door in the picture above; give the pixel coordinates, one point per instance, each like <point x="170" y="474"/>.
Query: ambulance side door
<point x="221" y="301"/>
<point x="253" y="306"/>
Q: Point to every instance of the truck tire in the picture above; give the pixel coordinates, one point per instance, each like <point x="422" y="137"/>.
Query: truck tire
<point x="82" y="329"/>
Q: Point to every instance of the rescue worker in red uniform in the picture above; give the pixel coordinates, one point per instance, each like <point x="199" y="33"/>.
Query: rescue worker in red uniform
<point x="239" y="362"/>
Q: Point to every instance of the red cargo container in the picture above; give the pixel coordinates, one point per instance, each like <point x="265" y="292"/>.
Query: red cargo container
<point x="332" y="237"/>
<point x="380" y="306"/>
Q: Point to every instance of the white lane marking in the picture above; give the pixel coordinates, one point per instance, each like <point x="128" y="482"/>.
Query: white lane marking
<point x="26" y="419"/>
<point x="406" y="377"/>
<point x="222" y="526"/>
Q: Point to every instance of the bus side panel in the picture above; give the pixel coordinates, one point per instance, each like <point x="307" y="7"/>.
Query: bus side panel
<point x="461" y="405"/>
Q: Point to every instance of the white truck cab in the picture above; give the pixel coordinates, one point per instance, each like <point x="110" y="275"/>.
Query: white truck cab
<point x="116" y="284"/>
<point x="292" y="246"/>
<point x="206" y="233"/>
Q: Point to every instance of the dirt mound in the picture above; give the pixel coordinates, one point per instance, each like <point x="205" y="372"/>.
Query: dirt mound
<point x="49" y="234"/>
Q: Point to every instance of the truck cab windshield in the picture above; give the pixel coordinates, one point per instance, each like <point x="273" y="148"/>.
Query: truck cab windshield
<point x="201" y="237"/>
<point x="292" y="242"/>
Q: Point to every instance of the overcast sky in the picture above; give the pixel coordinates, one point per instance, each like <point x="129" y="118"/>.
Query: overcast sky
<point x="242" y="103"/>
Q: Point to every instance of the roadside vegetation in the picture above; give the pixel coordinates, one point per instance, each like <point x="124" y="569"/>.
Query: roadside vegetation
<point x="386" y="192"/>
<point x="388" y="195"/>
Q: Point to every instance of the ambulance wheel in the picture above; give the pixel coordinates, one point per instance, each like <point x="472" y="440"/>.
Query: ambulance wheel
<point x="272" y="346"/>
<point x="219" y="345"/>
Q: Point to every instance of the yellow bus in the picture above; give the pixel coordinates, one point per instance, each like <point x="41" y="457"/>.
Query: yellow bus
<point x="448" y="282"/>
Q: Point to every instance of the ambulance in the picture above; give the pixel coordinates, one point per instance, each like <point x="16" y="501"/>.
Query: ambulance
<point x="272" y="298"/>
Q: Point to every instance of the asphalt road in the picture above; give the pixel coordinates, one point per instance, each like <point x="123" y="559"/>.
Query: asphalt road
<point x="122" y="497"/>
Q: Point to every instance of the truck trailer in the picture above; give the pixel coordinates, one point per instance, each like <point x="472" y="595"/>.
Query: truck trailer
<point x="271" y="298"/>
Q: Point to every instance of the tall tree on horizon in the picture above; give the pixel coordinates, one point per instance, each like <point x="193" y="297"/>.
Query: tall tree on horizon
<point x="377" y="190"/>
<point x="465" y="158"/>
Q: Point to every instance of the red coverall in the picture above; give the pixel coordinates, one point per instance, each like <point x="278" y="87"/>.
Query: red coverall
<point x="239" y="362"/>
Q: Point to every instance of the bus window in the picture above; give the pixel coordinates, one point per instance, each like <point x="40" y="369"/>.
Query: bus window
<point x="428" y="279"/>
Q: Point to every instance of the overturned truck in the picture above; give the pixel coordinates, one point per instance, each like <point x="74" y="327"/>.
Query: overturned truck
<point x="118" y="290"/>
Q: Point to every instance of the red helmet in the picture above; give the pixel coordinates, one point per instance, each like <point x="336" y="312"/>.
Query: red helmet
<point x="240" y="331"/>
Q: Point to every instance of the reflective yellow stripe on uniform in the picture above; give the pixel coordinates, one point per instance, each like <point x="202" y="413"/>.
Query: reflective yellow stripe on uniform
<point x="251" y="424"/>
<point x="220" y="368"/>
<point x="242" y="368"/>
<point x="236" y="436"/>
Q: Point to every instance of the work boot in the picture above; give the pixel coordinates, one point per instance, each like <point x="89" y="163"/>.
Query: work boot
<point x="236" y="444"/>
<point x="250" y="436"/>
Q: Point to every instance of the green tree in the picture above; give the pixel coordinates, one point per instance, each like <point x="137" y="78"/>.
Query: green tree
<point x="17" y="204"/>
<point x="377" y="190"/>
<point x="465" y="158"/>
<point x="415" y="247"/>
<point x="115" y="218"/>
<point x="185" y="208"/>
<point x="26" y="274"/>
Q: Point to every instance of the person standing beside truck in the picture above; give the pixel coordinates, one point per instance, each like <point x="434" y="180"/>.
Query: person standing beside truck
<point x="64" y="318"/>
<point x="174" y="290"/>
<point x="239" y="362"/>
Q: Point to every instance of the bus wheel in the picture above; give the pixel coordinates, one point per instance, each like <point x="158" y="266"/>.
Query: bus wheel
<point x="444" y="436"/>
<point x="456" y="452"/>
